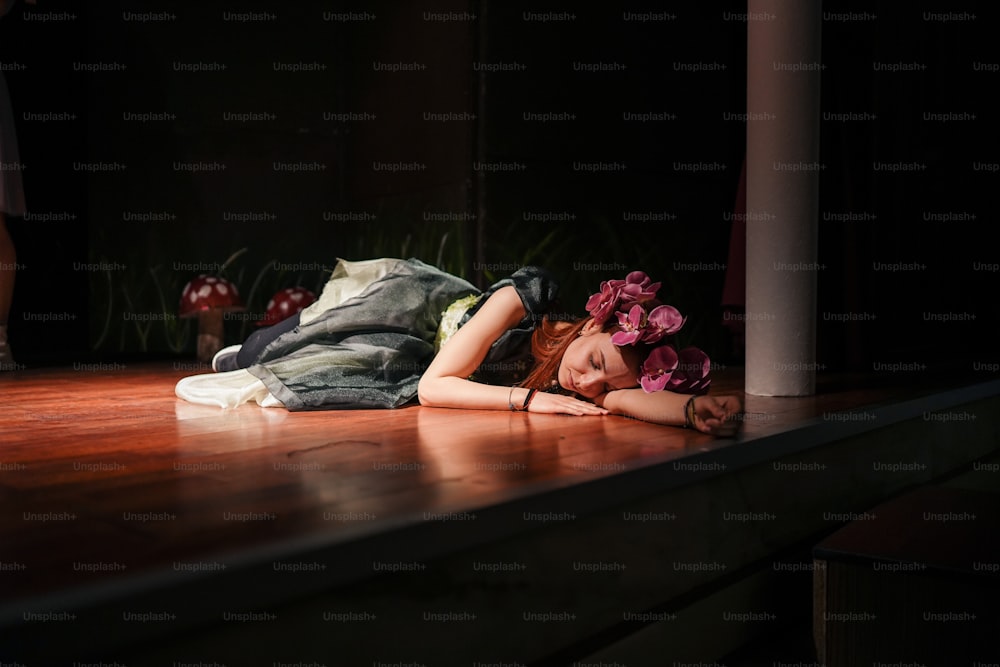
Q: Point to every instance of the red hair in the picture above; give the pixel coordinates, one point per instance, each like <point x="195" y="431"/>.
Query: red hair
<point x="550" y="341"/>
<point x="548" y="345"/>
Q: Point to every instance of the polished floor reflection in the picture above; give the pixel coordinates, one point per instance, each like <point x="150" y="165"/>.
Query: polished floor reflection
<point x="105" y="474"/>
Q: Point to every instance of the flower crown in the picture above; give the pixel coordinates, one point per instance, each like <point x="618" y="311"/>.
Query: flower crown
<point x="642" y="318"/>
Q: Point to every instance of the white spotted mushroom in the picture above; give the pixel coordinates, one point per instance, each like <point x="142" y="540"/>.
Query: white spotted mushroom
<point x="286" y="303"/>
<point x="207" y="298"/>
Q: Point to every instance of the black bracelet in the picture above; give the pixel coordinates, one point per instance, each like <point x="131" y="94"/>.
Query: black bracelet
<point x="527" y="399"/>
<point x="689" y="412"/>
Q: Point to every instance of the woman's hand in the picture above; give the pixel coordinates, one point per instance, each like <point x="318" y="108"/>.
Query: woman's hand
<point x="718" y="415"/>
<point x="564" y="405"/>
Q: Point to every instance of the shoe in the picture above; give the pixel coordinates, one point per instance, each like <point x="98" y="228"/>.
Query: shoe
<point x="225" y="359"/>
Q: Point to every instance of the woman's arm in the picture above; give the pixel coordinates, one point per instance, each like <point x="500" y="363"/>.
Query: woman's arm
<point x="717" y="415"/>
<point x="445" y="383"/>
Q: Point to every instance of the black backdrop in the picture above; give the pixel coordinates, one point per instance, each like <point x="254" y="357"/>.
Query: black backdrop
<point x="159" y="139"/>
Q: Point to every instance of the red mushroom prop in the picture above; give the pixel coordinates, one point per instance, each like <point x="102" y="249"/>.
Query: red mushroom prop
<point x="208" y="297"/>
<point x="286" y="303"/>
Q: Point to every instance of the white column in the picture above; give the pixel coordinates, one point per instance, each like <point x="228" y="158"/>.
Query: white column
<point x="783" y="114"/>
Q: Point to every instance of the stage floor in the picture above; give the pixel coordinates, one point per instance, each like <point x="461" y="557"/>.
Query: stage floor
<point x="109" y="467"/>
<point x="109" y="483"/>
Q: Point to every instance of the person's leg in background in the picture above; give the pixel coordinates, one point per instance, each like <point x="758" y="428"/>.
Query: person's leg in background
<point x="11" y="204"/>
<point x="8" y="268"/>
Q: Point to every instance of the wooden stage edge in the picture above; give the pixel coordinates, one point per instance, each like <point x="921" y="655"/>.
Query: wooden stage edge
<point x="113" y="491"/>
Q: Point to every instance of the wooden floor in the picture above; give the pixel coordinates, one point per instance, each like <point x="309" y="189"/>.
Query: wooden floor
<point x="108" y="480"/>
<point x="110" y="467"/>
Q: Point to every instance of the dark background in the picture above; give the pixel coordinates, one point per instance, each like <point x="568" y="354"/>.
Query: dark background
<point x="94" y="285"/>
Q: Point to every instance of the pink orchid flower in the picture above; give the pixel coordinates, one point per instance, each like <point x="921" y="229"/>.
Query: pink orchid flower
<point x="601" y="305"/>
<point x="691" y="374"/>
<point x="658" y="368"/>
<point x="662" y="321"/>
<point x="638" y="288"/>
<point x="633" y="324"/>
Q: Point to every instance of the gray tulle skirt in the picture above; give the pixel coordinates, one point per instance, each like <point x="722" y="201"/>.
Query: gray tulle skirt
<point x="368" y="350"/>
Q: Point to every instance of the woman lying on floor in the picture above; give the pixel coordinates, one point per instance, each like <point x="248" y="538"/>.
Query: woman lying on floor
<point x="387" y="331"/>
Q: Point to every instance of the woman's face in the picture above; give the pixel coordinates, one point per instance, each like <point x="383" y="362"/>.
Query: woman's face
<point x="593" y="365"/>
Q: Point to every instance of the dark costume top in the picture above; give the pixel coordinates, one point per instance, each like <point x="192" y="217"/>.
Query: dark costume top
<point x="370" y="350"/>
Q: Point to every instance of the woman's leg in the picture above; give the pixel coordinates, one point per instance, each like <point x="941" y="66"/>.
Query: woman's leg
<point x="258" y="340"/>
